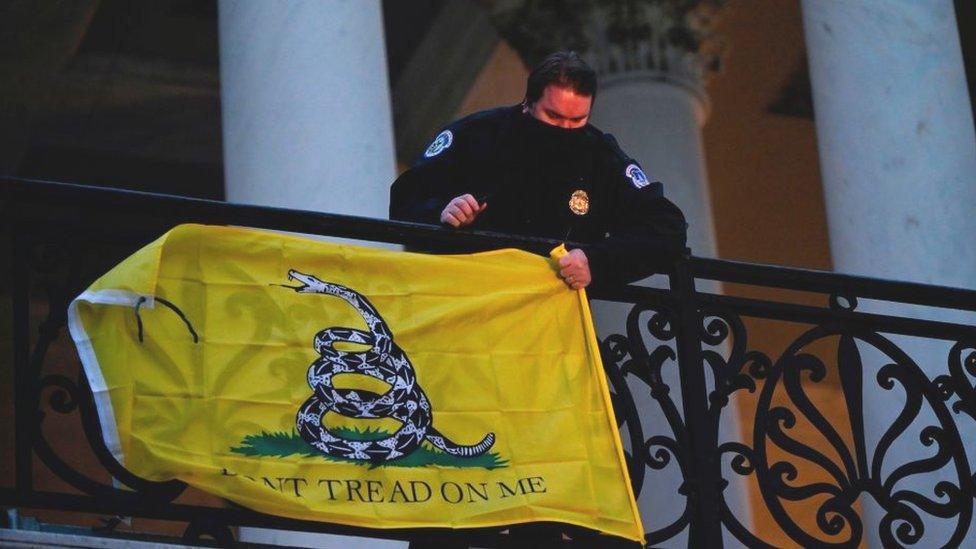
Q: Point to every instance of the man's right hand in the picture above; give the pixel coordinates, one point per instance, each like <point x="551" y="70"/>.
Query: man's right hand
<point x="461" y="211"/>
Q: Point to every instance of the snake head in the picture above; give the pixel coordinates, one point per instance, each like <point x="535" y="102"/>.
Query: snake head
<point x="310" y="284"/>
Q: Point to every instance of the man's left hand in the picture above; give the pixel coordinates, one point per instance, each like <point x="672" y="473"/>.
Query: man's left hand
<point x="575" y="269"/>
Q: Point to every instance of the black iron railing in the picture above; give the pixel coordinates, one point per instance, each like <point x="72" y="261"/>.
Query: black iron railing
<point x="777" y="413"/>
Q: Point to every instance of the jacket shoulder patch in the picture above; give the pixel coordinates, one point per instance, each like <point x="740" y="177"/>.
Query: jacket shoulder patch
<point x="636" y="176"/>
<point x="440" y="144"/>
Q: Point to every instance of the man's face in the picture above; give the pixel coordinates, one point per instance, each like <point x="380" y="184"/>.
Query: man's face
<point x="562" y="107"/>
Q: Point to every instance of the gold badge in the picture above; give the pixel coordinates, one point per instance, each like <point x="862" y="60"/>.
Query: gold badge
<point x="579" y="203"/>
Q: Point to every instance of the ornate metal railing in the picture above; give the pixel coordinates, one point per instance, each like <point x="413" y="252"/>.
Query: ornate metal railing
<point x="786" y="411"/>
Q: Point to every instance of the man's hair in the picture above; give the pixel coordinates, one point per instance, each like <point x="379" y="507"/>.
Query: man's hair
<point x="565" y="69"/>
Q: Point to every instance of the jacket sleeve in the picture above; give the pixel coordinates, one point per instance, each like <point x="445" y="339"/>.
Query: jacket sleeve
<point x="420" y="193"/>
<point x="646" y="233"/>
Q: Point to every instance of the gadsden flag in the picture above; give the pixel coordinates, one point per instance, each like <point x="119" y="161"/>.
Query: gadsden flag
<point x="356" y="386"/>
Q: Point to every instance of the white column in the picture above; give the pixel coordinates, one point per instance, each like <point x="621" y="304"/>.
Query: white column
<point x="306" y="124"/>
<point x="898" y="157"/>
<point x="657" y="119"/>
<point x="658" y="122"/>
<point x="305" y="103"/>
<point x="896" y="138"/>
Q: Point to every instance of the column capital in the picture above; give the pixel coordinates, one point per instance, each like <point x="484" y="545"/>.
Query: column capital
<point x="669" y="40"/>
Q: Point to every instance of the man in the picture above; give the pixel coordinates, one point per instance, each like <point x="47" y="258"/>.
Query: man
<point x="541" y="169"/>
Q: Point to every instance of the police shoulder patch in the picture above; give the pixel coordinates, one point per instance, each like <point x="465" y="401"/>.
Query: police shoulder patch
<point x="440" y="144"/>
<point x="636" y="176"/>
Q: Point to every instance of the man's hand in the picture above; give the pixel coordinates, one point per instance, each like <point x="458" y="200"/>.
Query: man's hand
<point x="575" y="269"/>
<point x="461" y="211"/>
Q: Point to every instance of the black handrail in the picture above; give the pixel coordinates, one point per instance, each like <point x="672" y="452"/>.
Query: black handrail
<point x="812" y="280"/>
<point x="396" y="232"/>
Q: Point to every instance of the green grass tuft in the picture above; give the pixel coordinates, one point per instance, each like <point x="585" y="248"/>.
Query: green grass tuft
<point x="282" y="444"/>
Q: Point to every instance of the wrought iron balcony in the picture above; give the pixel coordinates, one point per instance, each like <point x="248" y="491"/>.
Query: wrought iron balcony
<point x="754" y="412"/>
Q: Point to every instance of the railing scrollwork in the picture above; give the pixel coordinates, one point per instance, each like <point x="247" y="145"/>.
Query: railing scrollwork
<point x="848" y="407"/>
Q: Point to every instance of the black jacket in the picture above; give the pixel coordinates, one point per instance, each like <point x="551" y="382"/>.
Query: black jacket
<point x="528" y="172"/>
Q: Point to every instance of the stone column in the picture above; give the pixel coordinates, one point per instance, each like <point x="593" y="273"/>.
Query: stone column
<point x="898" y="157"/>
<point x="305" y="105"/>
<point x="658" y="120"/>
<point x="657" y="117"/>
<point x="896" y="139"/>
<point x="652" y="99"/>
<point x="652" y="60"/>
<point x="306" y="124"/>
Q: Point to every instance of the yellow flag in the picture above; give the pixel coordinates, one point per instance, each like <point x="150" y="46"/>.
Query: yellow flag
<point x="356" y="386"/>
